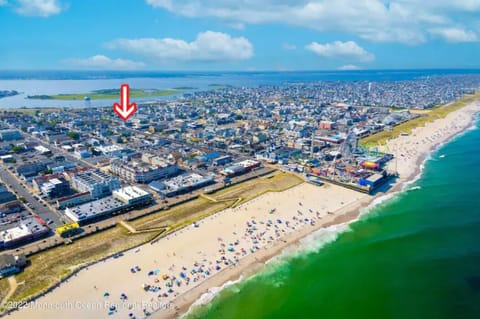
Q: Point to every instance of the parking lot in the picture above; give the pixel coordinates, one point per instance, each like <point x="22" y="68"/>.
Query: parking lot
<point x="12" y="220"/>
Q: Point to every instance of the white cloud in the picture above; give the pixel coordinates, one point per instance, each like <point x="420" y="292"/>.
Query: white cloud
<point x="208" y="46"/>
<point x="349" y="67"/>
<point x="344" y="50"/>
<point x="455" y="34"/>
<point x="3" y="2"/>
<point x="459" y="5"/>
<point x="404" y="21"/>
<point x="104" y="63"/>
<point x="41" y="8"/>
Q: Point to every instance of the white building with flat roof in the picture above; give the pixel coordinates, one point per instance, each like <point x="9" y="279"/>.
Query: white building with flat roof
<point x="94" y="209"/>
<point x="121" y="200"/>
<point x="110" y="150"/>
<point x="27" y="230"/>
<point x="97" y="183"/>
<point x="132" y="195"/>
<point x="182" y="184"/>
<point x="42" y="149"/>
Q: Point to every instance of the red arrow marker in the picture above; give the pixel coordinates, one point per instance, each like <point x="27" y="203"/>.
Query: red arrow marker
<point x="125" y="109"/>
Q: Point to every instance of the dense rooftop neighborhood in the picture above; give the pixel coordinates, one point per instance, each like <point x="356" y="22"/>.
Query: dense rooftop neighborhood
<point x="84" y="166"/>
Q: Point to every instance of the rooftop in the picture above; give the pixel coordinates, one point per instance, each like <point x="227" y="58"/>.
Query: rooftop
<point x="186" y="180"/>
<point x="95" y="208"/>
<point x="26" y="228"/>
<point x="93" y="177"/>
<point x="130" y="192"/>
<point x="109" y="148"/>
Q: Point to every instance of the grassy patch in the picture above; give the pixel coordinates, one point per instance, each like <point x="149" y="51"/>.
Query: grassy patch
<point x="182" y="215"/>
<point x="183" y="88"/>
<point x="177" y="214"/>
<point x="4" y="288"/>
<point x="50" y="266"/>
<point x="254" y="188"/>
<point x="31" y="111"/>
<point x="107" y="94"/>
<point x="425" y="117"/>
<point x="216" y="86"/>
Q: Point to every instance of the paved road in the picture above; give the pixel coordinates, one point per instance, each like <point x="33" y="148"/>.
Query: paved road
<point x="36" y="207"/>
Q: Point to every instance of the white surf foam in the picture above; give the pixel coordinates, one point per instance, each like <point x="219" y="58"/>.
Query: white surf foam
<point x="415" y="188"/>
<point x="207" y="297"/>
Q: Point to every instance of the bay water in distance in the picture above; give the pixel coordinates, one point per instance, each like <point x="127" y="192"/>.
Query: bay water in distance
<point x="416" y="255"/>
<point x="67" y="82"/>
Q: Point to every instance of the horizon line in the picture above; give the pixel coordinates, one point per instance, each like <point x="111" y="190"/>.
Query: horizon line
<point x="243" y="71"/>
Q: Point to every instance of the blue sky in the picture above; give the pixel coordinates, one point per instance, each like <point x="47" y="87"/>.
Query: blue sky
<point x="239" y="34"/>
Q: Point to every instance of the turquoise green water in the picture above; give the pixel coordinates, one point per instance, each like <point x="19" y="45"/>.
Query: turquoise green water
<point x="414" y="256"/>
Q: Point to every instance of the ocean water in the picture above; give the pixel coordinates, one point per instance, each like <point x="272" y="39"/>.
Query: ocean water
<point x="415" y="255"/>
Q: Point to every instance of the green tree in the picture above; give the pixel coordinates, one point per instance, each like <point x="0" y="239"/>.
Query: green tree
<point x="18" y="148"/>
<point x="46" y="172"/>
<point x="74" y="135"/>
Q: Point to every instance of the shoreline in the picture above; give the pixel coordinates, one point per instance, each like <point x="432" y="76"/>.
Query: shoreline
<point x="193" y="298"/>
<point x="254" y="262"/>
<point x="250" y="266"/>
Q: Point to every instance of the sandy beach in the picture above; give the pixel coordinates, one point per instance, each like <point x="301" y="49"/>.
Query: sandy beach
<point x="184" y="259"/>
<point x="412" y="149"/>
<point x="165" y="278"/>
